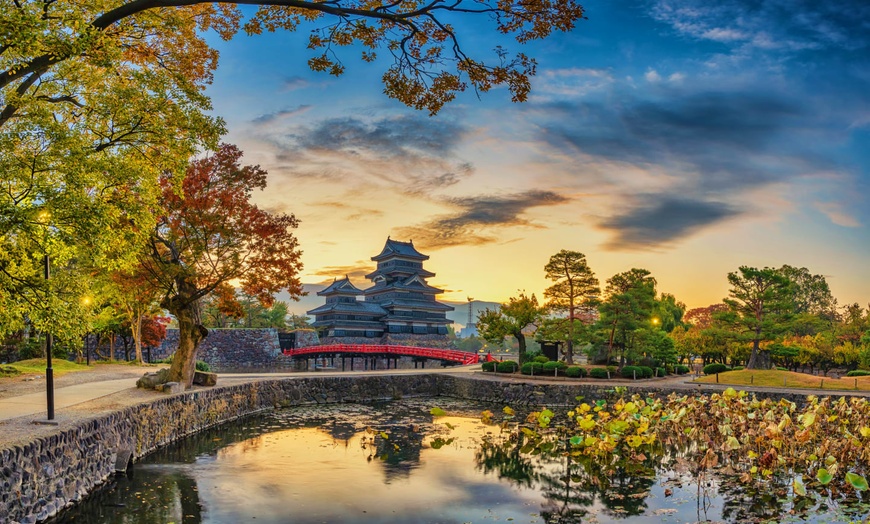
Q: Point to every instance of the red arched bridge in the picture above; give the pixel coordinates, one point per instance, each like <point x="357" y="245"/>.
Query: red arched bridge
<point x="377" y="350"/>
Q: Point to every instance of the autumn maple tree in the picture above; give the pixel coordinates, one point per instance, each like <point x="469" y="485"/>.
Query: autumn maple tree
<point x="210" y="234"/>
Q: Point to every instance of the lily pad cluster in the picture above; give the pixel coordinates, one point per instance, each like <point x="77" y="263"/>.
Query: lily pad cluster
<point x="821" y="447"/>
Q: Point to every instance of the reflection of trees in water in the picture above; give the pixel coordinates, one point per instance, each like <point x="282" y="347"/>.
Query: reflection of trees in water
<point x="248" y="432"/>
<point x="399" y="453"/>
<point x="144" y="496"/>
<point x="503" y="458"/>
<point x="571" y="484"/>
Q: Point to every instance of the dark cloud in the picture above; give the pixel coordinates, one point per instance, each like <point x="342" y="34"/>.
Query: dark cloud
<point x="387" y="136"/>
<point x="409" y="153"/>
<point x="722" y="137"/>
<point x="711" y="148"/>
<point x="662" y="221"/>
<point x="477" y="217"/>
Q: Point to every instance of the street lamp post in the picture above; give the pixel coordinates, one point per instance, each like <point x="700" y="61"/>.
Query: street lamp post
<point x="49" y="372"/>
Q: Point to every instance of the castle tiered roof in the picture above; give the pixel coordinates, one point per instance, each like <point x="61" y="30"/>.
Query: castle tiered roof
<point x="399" y="301"/>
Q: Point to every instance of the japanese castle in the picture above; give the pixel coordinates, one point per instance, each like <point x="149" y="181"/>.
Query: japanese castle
<point x="399" y="302"/>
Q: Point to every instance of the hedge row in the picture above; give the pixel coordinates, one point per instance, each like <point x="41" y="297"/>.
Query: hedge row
<point x="561" y="369"/>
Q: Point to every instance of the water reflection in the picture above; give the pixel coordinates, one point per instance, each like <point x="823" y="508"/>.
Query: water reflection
<point x="397" y="463"/>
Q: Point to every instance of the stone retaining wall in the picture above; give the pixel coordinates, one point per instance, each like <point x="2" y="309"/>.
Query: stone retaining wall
<point x="40" y="478"/>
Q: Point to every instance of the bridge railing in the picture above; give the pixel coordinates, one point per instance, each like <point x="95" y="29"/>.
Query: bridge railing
<point x="450" y="355"/>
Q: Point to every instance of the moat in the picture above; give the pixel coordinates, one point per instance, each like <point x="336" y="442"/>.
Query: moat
<point x="397" y="462"/>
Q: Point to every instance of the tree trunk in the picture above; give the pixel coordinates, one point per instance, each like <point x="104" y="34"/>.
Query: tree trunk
<point x="136" y="328"/>
<point x="569" y="351"/>
<point x="760" y="358"/>
<point x="521" y="342"/>
<point x="190" y="334"/>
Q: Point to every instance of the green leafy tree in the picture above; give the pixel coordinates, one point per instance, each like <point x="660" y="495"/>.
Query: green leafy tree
<point x="657" y="344"/>
<point x="295" y="321"/>
<point x="759" y="308"/>
<point x="669" y="312"/>
<point x="573" y="296"/>
<point x="520" y="314"/>
<point x="629" y="299"/>
<point x="810" y="293"/>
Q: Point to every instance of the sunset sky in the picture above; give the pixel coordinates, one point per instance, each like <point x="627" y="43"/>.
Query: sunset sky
<point x="686" y="137"/>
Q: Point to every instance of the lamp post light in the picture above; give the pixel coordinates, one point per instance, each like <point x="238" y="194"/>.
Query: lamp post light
<point x="49" y="372"/>
<point x="44" y="218"/>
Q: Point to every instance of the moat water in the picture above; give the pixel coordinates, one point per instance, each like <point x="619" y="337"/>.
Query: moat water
<point x="397" y="463"/>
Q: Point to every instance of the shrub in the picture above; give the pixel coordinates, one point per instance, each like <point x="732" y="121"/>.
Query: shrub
<point x="533" y="354"/>
<point x="508" y="366"/>
<point x="858" y="373"/>
<point x="488" y="366"/>
<point x="736" y="368"/>
<point x="532" y="368"/>
<point x="646" y="371"/>
<point x="681" y="369"/>
<point x="598" y="373"/>
<point x="779" y="368"/>
<point x="661" y="372"/>
<point x="551" y="368"/>
<point x="712" y="369"/>
<point x="541" y="358"/>
<point x="612" y="370"/>
<point x="631" y="372"/>
<point x="202" y="366"/>
<point x="575" y="372"/>
<point x="647" y="361"/>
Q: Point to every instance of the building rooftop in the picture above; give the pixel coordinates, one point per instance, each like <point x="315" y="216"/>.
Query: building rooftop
<point x="394" y="248"/>
<point x="340" y="287"/>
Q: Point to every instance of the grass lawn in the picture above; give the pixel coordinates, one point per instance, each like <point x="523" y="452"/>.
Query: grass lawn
<point x="37" y="365"/>
<point x="788" y="379"/>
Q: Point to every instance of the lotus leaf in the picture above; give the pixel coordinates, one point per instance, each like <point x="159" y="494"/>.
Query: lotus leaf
<point x="856" y="481"/>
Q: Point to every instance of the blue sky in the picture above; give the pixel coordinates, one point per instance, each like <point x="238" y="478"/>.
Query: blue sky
<point x="686" y="137"/>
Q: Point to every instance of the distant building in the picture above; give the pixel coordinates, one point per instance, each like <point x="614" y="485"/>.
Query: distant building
<point x="399" y="302"/>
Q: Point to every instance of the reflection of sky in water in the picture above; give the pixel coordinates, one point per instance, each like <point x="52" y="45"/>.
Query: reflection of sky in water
<point x="308" y="475"/>
<point x="319" y="465"/>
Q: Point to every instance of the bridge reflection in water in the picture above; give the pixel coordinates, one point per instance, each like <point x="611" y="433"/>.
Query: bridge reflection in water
<point x="371" y="352"/>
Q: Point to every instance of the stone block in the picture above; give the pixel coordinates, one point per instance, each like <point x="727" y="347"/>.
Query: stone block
<point x="152" y="380"/>
<point x="170" y="388"/>
<point x="203" y="378"/>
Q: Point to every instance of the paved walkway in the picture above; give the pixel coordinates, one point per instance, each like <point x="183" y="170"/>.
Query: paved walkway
<point x="34" y="404"/>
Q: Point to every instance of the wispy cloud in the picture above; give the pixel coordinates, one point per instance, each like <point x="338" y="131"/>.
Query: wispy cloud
<point x="570" y="82"/>
<point x="837" y="214"/>
<point x="279" y="115"/>
<point x="478" y="219"/>
<point x="295" y="83"/>
<point x="778" y="25"/>
<point x="355" y="272"/>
